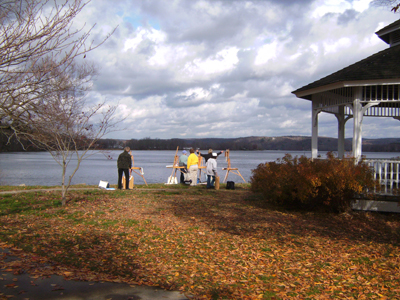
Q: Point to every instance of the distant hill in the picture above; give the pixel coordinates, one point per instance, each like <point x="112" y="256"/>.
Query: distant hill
<point x="290" y="143"/>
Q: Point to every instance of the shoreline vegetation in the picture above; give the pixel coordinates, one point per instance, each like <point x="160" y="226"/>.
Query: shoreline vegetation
<point x="289" y="143"/>
<point x="218" y="244"/>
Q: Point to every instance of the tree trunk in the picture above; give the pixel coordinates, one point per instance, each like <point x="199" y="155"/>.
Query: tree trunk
<point x="63" y="190"/>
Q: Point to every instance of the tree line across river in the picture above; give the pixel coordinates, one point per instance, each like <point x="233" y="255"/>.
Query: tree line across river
<point x="290" y="143"/>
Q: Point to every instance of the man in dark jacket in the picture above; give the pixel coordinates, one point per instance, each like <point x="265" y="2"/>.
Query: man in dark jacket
<point x="124" y="164"/>
<point x="209" y="154"/>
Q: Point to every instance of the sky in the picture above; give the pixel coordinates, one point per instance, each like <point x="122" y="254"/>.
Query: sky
<point x="226" y="68"/>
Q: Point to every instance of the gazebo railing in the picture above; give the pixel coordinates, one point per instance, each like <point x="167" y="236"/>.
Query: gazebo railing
<point x="387" y="171"/>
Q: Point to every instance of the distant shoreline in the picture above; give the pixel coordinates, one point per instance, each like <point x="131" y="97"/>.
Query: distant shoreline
<point x="283" y="143"/>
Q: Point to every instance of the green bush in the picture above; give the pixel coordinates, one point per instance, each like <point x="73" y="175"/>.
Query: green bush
<point x="322" y="184"/>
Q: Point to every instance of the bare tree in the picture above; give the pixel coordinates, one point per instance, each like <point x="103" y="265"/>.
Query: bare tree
<point x="65" y="125"/>
<point x="37" y="44"/>
<point x="393" y="4"/>
<point x="42" y="88"/>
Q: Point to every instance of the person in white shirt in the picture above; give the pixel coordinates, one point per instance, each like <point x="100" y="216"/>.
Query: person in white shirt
<point x="211" y="170"/>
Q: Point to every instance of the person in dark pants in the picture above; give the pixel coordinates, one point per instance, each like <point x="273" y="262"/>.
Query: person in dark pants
<point x="211" y="171"/>
<point x="124" y="164"/>
<point x="183" y="163"/>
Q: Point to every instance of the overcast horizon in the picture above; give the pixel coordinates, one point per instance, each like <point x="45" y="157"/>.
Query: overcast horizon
<point x="243" y="137"/>
<point x="226" y="69"/>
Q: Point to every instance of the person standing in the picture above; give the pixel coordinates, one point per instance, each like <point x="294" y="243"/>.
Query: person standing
<point x="124" y="165"/>
<point x="211" y="170"/>
<point x="192" y="166"/>
<point x="183" y="163"/>
<point x="209" y="154"/>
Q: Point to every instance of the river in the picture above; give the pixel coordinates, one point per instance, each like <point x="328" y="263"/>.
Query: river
<point x="39" y="168"/>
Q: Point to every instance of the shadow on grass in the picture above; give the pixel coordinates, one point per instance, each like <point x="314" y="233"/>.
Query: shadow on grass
<point x="237" y="212"/>
<point x="244" y="213"/>
<point x="148" y="234"/>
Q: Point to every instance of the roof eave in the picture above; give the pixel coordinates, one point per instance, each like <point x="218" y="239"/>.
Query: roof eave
<point x="385" y="38"/>
<point x="384" y="33"/>
<point x="305" y="94"/>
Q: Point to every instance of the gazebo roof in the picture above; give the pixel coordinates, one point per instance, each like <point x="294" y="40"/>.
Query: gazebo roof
<point x="385" y="33"/>
<point x="383" y="66"/>
<point x="380" y="68"/>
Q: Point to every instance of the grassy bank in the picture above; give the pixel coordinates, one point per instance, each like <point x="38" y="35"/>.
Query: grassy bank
<point x="222" y="244"/>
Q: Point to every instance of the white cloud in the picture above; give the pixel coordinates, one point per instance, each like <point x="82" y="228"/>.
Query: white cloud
<point x="361" y="5"/>
<point x="266" y="53"/>
<point x="196" y="94"/>
<point x="204" y="68"/>
<point x="223" y="61"/>
<point x="288" y="124"/>
<point x="143" y="34"/>
<point x="322" y="7"/>
<point x="336" y="45"/>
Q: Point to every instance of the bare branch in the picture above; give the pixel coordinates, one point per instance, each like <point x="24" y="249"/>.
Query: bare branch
<point x="394" y="5"/>
<point x="35" y="48"/>
<point x="42" y="89"/>
<point x="64" y="124"/>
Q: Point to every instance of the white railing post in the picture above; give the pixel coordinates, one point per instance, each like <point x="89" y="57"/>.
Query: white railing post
<point x="387" y="172"/>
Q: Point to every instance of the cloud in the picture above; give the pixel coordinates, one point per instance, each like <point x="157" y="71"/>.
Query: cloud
<point x="219" y="68"/>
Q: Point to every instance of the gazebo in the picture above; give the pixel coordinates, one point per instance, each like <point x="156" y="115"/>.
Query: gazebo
<point x="368" y="88"/>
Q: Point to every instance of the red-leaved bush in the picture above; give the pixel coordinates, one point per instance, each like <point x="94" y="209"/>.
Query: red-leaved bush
<point x="324" y="184"/>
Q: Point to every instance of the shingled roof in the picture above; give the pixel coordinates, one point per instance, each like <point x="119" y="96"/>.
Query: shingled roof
<point x="384" y="65"/>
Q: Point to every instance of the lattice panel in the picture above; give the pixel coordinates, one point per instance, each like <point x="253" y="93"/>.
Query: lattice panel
<point x="384" y="109"/>
<point x="389" y="92"/>
<point x="388" y="97"/>
<point x="334" y="97"/>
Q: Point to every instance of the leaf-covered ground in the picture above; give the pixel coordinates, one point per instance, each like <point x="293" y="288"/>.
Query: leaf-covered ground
<point x="209" y="244"/>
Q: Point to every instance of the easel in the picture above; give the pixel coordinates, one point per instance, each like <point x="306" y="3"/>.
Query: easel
<point x="175" y="167"/>
<point x="229" y="168"/>
<point x="200" y="165"/>
<point x="137" y="170"/>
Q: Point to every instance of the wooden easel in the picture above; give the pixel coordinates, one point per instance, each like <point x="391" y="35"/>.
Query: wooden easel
<point x="200" y="165"/>
<point x="137" y="170"/>
<point x="175" y="166"/>
<point x="229" y="168"/>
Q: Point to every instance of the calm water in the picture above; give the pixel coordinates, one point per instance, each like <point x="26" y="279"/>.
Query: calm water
<point x="41" y="169"/>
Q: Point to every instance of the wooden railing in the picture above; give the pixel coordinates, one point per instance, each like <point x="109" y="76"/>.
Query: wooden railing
<point x="387" y="171"/>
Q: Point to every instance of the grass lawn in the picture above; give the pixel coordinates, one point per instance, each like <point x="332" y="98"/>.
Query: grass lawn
<point x="222" y="244"/>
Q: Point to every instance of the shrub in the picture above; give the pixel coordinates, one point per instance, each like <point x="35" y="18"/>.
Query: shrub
<point x="328" y="184"/>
